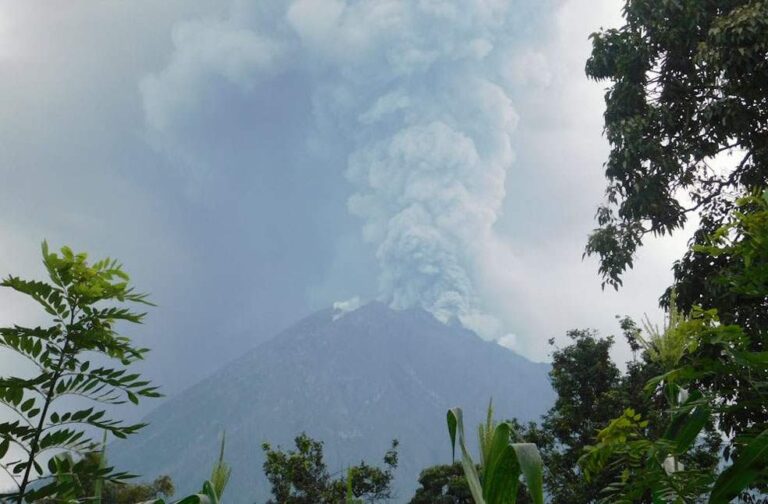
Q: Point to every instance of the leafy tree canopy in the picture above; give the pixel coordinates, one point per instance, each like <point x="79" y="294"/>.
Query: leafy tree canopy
<point x="591" y="391"/>
<point x="442" y="484"/>
<point x="688" y="84"/>
<point x="300" y="476"/>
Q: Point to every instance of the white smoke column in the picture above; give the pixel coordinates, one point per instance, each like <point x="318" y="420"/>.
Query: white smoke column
<point x="430" y="194"/>
<point x="421" y="90"/>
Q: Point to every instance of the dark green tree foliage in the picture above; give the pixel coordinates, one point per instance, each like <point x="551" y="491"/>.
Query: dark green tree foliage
<point x="131" y="493"/>
<point x="716" y="373"/>
<point x="733" y="280"/>
<point x="300" y="476"/>
<point x="442" y="484"/>
<point x="84" y="302"/>
<point x="688" y="82"/>
<point x="587" y="383"/>
<point x="665" y="464"/>
<point x="591" y="390"/>
<point x="734" y="373"/>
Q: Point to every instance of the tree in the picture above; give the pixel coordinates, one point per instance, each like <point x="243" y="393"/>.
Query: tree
<point x="734" y="282"/>
<point x="131" y="493"/>
<point x="689" y="84"/>
<point x="660" y="465"/>
<point x="301" y="477"/>
<point x="689" y="91"/>
<point x="442" y="484"/>
<point x="587" y="384"/>
<point x="709" y="371"/>
<point x="591" y="390"/>
<point x="84" y="302"/>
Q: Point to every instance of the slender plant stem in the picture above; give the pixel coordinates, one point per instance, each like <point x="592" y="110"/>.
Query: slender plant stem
<point x="34" y="446"/>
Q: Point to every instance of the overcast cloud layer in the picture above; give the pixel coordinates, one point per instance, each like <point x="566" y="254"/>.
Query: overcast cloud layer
<point x="252" y="162"/>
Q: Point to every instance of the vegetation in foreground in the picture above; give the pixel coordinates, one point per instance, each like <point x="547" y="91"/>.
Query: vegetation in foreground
<point x="300" y="476"/>
<point x="84" y="302"/>
<point x="687" y="422"/>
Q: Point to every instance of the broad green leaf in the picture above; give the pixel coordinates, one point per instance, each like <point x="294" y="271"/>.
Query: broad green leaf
<point x="501" y="476"/>
<point x="749" y="463"/>
<point x="456" y="426"/>
<point x="452" y="421"/>
<point x="532" y="467"/>
<point x="686" y="427"/>
<point x="757" y="359"/>
<point x="210" y="492"/>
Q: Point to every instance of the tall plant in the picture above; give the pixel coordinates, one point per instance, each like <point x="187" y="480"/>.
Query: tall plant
<point x="84" y="302"/>
<point x="221" y="471"/>
<point x="503" y="464"/>
<point x="485" y="433"/>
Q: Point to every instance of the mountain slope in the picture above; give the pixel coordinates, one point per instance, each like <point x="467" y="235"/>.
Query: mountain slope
<point x="355" y="383"/>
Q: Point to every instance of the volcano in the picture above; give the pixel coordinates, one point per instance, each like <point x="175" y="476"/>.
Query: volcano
<point x="355" y="381"/>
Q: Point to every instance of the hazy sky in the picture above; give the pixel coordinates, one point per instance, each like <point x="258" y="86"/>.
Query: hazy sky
<point x="250" y="162"/>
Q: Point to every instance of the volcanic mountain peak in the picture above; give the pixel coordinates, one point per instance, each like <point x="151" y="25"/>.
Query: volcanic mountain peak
<point x="356" y="382"/>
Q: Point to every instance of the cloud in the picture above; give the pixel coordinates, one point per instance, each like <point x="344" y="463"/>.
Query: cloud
<point x="534" y="278"/>
<point x="207" y="53"/>
<point x="315" y="21"/>
<point x="341" y="308"/>
<point x="419" y="93"/>
<point x="466" y="132"/>
<point x="508" y="341"/>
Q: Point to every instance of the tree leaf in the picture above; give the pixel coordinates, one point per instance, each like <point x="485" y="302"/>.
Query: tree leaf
<point x="688" y="423"/>
<point x="532" y="467"/>
<point x="501" y="476"/>
<point x="749" y="463"/>
<point x="456" y="426"/>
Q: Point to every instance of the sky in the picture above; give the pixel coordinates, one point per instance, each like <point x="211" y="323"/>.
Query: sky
<point x="252" y="162"/>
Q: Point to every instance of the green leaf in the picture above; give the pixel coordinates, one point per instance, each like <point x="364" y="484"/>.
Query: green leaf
<point x="210" y="492"/>
<point x="532" y="466"/>
<point x="688" y="423"/>
<point x="452" y="419"/>
<point x="747" y="466"/>
<point x="27" y="404"/>
<point x="82" y="324"/>
<point x="501" y="476"/>
<point x="456" y="426"/>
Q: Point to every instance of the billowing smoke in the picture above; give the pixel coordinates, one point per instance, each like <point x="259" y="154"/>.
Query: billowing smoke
<point x="421" y="93"/>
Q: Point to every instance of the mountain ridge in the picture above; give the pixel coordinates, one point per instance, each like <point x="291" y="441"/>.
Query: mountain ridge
<point x="355" y="382"/>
